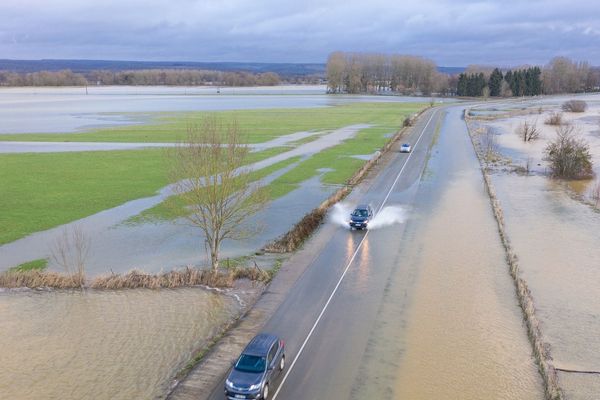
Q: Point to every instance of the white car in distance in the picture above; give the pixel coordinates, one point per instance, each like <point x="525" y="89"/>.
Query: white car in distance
<point x="405" y="148"/>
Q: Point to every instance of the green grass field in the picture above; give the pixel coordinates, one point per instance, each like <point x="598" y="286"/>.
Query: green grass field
<point x="43" y="190"/>
<point x="258" y="125"/>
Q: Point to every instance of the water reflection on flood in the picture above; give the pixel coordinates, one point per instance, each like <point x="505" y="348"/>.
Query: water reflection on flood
<point x="102" y="344"/>
<point x="557" y="241"/>
<point x="465" y="339"/>
<point x="450" y="326"/>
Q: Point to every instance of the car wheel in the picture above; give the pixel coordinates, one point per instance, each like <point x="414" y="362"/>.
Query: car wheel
<point x="265" y="392"/>
<point x="282" y="363"/>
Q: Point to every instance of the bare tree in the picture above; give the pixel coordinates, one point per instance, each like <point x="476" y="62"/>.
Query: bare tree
<point x="569" y="154"/>
<point x="528" y="132"/>
<point x="70" y="251"/>
<point x="213" y="185"/>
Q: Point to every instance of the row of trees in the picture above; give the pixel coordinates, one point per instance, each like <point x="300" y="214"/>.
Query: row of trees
<point x="374" y="73"/>
<point x="522" y="82"/>
<point x="180" y="77"/>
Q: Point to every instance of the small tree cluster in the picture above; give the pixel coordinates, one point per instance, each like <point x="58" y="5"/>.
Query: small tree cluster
<point x="569" y="155"/>
<point x="367" y="72"/>
<point x="576" y="106"/>
<point x="528" y="132"/>
<point x="471" y="84"/>
<point x="525" y="82"/>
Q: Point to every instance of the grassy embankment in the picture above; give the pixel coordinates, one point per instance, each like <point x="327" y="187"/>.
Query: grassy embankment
<point x="42" y="191"/>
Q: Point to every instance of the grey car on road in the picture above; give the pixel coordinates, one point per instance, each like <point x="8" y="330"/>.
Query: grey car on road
<point x="260" y="363"/>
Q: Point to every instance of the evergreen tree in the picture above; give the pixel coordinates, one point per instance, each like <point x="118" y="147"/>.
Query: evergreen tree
<point x="495" y="83"/>
<point x="461" y="89"/>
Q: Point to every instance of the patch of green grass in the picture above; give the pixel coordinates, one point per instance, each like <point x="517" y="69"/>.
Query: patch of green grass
<point x="338" y="159"/>
<point x="39" y="264"/>
<point x="260" y="125"/>
<point x="43" y="190"/>
<point x="172" y="208"/>
<point x="39" y="191"/>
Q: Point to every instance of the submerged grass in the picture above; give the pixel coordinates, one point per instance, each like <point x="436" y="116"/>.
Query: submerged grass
<point x="39" y="264"/>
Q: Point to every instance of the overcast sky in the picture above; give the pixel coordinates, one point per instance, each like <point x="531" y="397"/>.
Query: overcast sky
<point x="451" y="32"/>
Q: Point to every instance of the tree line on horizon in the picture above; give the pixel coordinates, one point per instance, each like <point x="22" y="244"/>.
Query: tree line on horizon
<point x="521" y="82"/>
<point x="354" y="73"/>
<point x="375" y="73"/>
<point x="150" y="77"/>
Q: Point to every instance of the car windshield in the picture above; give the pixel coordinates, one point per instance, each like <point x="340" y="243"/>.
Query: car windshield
<point x="406" y="145"/>
<point x="248" y="363"/>
<point x="360" y="213"/>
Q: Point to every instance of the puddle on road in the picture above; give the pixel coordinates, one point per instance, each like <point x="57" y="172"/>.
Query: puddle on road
<point x="450" y="326"/>
<point x="102" y="344"/>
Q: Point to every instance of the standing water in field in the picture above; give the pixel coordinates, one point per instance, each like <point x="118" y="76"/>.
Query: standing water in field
<point x="103" y="345"/>
<point x="389" y="215"/>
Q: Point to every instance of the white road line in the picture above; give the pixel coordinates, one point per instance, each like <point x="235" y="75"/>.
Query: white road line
<point x="291" y="367"/>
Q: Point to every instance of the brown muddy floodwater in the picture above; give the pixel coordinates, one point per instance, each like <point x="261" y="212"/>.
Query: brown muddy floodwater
<point x="102" y="344"/>
<point x="557" y="240"/>
<point x="450" y="326"/>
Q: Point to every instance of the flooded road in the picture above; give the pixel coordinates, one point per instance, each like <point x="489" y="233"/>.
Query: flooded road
<point x="449" y="326"/>
<point x="102" y="344"/>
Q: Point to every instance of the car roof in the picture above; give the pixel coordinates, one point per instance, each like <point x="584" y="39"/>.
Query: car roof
<point x="260" y="345"/>
<point x="362" y="207"/>
<point x="405" y="144"/>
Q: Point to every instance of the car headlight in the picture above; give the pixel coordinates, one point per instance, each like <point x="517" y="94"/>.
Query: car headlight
<point x="254" y="387"/>
<point x="228" y="383"/>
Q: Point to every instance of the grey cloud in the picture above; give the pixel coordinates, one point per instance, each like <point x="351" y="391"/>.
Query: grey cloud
<point x="452" y="33"/>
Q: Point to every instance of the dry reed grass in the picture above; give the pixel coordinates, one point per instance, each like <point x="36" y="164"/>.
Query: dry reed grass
<point x="39" y="279"/>
<point x="541" y="349"/>
<point x="134" y="279"/>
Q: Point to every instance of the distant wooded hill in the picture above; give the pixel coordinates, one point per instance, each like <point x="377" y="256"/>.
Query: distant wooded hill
<point x="86" y="66"/>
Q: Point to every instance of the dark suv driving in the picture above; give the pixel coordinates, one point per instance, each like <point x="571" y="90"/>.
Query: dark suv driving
<point x="262" y="360"/>
<point x="359" y="219"/>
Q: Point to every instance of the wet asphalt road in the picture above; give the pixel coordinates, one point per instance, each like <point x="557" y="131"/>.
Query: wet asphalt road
<point x="343" y="287"/>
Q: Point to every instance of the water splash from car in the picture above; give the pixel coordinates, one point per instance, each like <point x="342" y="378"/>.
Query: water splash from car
<point x="389" y="215"/>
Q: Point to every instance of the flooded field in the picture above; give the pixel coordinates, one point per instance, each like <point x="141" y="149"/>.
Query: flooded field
<point x="450" y="326"/>
<point x="557" y="241"/>
<point x="553" y="227"/>
<point x="162" y="245"/>
<point x="70" y="109"/>
<point x="102" y="344"/>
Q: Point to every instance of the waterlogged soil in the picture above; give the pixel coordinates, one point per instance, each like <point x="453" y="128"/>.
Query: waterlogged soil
<point x="450" y="326"/>
<point x="72" y="345"/>
<point x="556" y="239"/>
